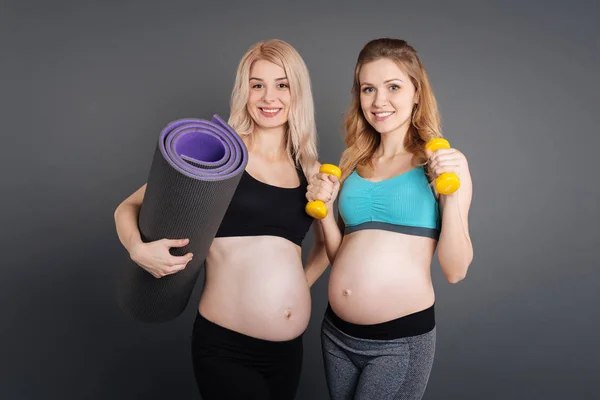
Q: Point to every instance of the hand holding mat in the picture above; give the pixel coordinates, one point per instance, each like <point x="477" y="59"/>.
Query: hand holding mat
<point x="195" y="171"/>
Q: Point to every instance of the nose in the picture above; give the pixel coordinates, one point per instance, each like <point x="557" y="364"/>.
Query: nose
<point x="380" y="99"/>
<point x="269" y="95"/>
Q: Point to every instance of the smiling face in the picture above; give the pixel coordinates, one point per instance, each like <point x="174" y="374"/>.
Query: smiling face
<point x="387" y="96"/>
<point x="269" y="95"/>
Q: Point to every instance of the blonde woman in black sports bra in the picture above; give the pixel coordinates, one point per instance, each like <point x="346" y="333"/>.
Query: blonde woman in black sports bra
<point x="256" y="303"/>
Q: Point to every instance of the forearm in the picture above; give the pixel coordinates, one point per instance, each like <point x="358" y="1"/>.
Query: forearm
<point x="126" y="222"/>
<point x="455" y="250"/>
<point x="332" y="237"/>
<point x="316" y="263"/>
<point x="327" y="242"/>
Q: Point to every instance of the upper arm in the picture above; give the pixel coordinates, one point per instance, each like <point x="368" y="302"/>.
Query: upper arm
<point x="136" y="198"/>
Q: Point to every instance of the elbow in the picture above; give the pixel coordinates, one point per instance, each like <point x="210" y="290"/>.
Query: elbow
<point x="455" y="278"/>
<point x="320" y="243"/>
<point x="456" y="275"/>
<point x="331" y="258"/>
<point x="331" y="253"/>
<point x="120" y="207"/>
<point x="116" y="213"/>
<point x="457" y="271"/>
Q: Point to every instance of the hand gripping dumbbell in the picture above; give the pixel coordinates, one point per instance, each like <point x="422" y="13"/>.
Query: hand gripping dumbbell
<point x="447" y="182"/>
<point x="317" y="208"/>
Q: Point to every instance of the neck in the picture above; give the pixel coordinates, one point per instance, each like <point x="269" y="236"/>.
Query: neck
<point x="269" y="142"/>
<point x="392" y="143"/>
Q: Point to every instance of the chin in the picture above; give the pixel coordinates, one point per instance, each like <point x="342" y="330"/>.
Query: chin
<point x="387" y="127"/>
<point x="271" y="124"/>
<point x="380" y="128"/>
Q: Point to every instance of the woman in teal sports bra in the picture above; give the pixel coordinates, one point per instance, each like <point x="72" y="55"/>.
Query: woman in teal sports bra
<point x="378" y="333"/>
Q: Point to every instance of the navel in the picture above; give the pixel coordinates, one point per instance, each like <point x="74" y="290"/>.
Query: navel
<point x="346" y="292"/>
<point x="288" y="314"/>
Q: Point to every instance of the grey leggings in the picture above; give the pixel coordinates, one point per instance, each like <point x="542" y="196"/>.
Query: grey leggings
<point x="366" y="369"/>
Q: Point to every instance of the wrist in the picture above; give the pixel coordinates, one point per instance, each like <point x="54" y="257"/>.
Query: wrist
<point x="330" y="218"/>
<point x="133" y="243"/>
<point x="330" y="207"/>
<point x="449" y="199"/>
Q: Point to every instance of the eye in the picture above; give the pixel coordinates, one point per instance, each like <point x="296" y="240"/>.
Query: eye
<point x="393" y="88"/>
<point x="283" y="86"/>
<point x="257" y="86"/>
<point x="367" y="89"/>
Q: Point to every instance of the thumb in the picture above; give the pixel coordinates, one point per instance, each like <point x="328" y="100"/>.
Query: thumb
<point x="428" y="153"/>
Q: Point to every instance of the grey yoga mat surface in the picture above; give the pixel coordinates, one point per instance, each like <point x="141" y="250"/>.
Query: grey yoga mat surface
<point x="195" y="171"/>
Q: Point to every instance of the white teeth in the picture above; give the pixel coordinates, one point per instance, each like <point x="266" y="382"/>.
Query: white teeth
<point x="384" y="114"/>
<point x="270" y="110"/>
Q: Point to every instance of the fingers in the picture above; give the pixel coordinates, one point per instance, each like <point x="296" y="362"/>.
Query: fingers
<point x="174" y="269"/>
<point x="336" y="183"/>
<point x="445" y="160"/>
<point x="454" y="155"/>
<point x="439" y="171"/>
<point x="174" y="265"/>
<point x="435" y="164"/>
<point x="156" y="259"/>
<point x="325" y="177"/>
<point x="320" y="188"/>
<point x="444" y="154"/>
<point x="176" y="260"/>
<point x="168" y="271"/>
<point x="445" y="166"/>
<point x="176" y="242"/>
<point x="322" y="177"/>
<point x="323" y="193"/>
<point x="323" y="187"/>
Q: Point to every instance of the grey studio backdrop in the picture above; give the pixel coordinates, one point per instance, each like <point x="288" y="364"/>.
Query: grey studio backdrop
<point x="87" y="86"/>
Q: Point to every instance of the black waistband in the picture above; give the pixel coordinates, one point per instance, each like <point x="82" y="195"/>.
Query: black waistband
<point x="413" y="324"/>
<point x="207" y="331"/>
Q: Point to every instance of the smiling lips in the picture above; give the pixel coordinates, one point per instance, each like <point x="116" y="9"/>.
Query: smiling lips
<point x="269" y="112"/>
<point x="382" y="116"/>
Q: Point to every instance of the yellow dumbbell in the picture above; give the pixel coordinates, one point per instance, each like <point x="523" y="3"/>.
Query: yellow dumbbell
<point x="317" y="208"/>
<point x="447" y="182"/>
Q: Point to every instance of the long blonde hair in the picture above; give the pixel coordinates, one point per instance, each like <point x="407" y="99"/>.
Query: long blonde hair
<point x="361" y="139"/>
<point x="301" y="138"/>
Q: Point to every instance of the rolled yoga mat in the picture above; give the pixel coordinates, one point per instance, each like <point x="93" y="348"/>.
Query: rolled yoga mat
<point x="195" y="171"/>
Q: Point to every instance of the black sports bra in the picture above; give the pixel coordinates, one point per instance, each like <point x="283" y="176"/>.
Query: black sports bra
<point x="258" y="208"/>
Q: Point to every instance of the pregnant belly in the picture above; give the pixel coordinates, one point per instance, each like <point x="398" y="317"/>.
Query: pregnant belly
<point x="261" y="292"/>
<point x="380" y="276"/>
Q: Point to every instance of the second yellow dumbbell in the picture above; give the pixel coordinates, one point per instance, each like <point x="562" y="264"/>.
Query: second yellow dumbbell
<point x="317" y="208"/>
<point x="447" y="182"/>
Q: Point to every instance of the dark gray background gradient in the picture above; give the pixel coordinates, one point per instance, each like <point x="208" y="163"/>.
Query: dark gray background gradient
<point x="87" y="86"/>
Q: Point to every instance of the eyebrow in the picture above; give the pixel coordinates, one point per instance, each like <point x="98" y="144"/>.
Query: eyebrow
<point x="388" y="81"/>
<point x="278" y="79"/>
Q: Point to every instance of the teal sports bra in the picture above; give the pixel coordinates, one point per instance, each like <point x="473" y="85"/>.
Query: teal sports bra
<point x="404" y="203"/>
